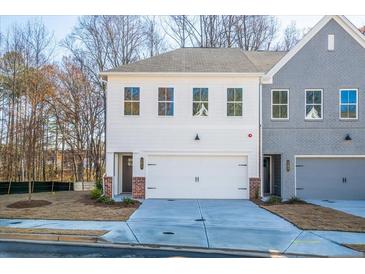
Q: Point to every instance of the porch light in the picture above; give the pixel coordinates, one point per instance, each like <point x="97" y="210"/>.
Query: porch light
<point x="287" y="165"/>
<point x="197" y="137"/>
<point x="141" y="163"/>
<point x="348" y="138"/>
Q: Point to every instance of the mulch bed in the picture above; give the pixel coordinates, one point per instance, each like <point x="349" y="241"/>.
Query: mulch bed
<point x="86" y="200"/>
<point x="29" y="204"/>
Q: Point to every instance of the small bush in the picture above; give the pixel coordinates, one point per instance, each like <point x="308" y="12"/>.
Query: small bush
<point x="295" y="200"/>
<point x="105" y="200"/>
<point x="274" y="200"/>
<point x="128" y="201"/>
<point x="99" y="184"/>
<point x="96" y="193"/>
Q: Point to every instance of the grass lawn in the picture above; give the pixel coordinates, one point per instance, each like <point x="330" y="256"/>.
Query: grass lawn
<point x="312" y="217"/>
<point x="65" y="205"/>
<point x="358" y="247"/>
<point x="80" y="232"/>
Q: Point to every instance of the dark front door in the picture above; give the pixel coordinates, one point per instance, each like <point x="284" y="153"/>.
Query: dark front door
<point x="267" y="175"/>
<point x="127" y="174"/>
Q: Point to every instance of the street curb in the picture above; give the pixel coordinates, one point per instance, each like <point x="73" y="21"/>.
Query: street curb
<point x="234" y="252"/>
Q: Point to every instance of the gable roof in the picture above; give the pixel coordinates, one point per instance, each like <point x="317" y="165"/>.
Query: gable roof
<point x="340" y="19"/>
<point x="204" y="60"/>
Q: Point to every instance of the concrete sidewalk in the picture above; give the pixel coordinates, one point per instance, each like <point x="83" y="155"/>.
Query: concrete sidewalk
<point x="212" y="224"/>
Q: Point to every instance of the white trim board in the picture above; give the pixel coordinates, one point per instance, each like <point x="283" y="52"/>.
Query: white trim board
<point x="340" y="19"/>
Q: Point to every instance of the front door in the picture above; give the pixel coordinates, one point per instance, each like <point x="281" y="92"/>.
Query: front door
<point x="127" y="174"/>
<point x="267" y="175"/>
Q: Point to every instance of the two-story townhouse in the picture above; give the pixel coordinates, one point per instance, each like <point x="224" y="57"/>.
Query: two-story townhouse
<point x="185" y="124"/>
<point x="313" y="106"/>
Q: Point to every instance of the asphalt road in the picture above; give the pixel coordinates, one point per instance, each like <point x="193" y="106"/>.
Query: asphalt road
<point x="32" y="250"/>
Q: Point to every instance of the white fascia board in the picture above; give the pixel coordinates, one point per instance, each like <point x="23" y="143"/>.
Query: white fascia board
<point x="183" y="74"/>
<point x="340" y="19"/>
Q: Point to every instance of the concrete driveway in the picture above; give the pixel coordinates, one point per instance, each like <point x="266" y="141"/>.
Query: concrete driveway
<point x="354" y="207"/>
<point x="232" y="224"/>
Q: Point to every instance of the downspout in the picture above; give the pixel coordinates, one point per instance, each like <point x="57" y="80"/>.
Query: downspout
<point x="260" y="139"/>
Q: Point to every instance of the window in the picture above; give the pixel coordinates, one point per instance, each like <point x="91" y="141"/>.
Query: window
<point x="280" y="104"/>
<point x="313" y="104"/>
<point x="331" y="42"/>
<point x="165" y="101"/>
<point x="200" y="101"/>
<point x="131" y="101"/>
<point x="348" y="104"/>
<point x="234" y="102"/>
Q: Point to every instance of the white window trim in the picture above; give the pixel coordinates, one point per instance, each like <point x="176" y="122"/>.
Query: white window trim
<point x="173" y="101"/>
<point x="279" y="119"/>
<point x="357" y="104"/>
<point x="305" y="104"/>
<point x="192" y="102"/>
<point x="226" y="108"/>
<point x="132" y="101"/>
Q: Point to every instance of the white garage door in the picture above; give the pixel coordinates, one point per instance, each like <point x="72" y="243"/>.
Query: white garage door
<point x="190" y="177"/>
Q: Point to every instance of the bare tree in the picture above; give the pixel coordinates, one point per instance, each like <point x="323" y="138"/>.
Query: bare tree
<point x="291" y="37"/>
<point x="176" y="27"/>
<point x="154" y="40"/>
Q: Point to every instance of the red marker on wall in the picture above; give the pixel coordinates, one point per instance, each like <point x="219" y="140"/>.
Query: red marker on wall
<point x="250" y="135"/>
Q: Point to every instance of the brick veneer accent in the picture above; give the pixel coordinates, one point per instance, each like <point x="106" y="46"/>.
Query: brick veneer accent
<point x="138" y="187"/>
<point x="255" y="188"/>
<point x="108" y="186"/>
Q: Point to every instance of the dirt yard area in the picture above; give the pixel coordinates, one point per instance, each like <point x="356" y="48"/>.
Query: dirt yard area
<point x="65" y="205"/>
<point x="313" y="217"/>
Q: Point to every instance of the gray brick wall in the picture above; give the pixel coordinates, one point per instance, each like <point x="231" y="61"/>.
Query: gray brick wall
<point x="316" y="67"/>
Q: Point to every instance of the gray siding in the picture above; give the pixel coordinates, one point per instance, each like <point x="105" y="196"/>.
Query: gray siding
<point x="316" y="67"/>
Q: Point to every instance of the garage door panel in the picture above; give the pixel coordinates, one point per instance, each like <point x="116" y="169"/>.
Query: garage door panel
<point x="330" y="178"/>
<point x="223" y="177"/>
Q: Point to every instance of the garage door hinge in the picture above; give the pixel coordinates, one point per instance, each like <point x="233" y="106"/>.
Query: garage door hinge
<point x="299" y="188"/>
<point x="299" y="165"/>
<point x="151" y="187"/>
<point x="242" y="188"/>
<point x="151" y="164"/>
<point x="242" y="164"/>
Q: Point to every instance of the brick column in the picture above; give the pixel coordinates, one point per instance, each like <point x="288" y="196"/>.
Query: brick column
<point x="108" y="186"/>
<point x="255" y="188"/>
<point x="138" y="187"/>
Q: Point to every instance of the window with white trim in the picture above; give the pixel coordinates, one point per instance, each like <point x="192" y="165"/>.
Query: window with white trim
<point x="348" y="104"/>
<point x="165" y="101"/>
<point x="234" y="102"/>
<point x="313" y="104"/>
<point x="280" y="104"/>
<point x="200" y="101"/>
<point x="131" y="101"/>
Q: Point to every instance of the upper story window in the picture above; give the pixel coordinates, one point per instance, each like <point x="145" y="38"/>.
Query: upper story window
<point x="165" y="101"/>
<point x="280" y="104"/>
<point x="200" y="101"/>
<point x="234" y="102"/>
<point x="131" y="101"/>
<point x="348" y="104"/>
<point x="313" y="104"/>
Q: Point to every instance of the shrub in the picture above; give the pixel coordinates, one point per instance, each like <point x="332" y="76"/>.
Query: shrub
<point x="105" y="200"/>
<point x="128" y="201"/>
<point x="295" y="200"/>
<point x="274" y="200"/>
<point x="96" y="193"/>
<point x="99" y="184"/>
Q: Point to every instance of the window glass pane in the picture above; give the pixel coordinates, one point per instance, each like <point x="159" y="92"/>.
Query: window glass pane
<point x="169" y="109"/>
<point x="309" y="97"/>
<point x="283" y="112"/>
<point x="317" y="97"/>
<point x="352" y="111"/>
<point x="161" y="94"/>
<point x="127" y="93"/>
<point x="344" y="111"/>
<point x="196" y="107"/>
<point x="135" y="108"/>
<point x="275" y="97"/>
<point x="238" y="94"/>
<point x="344" y="96"/>
<point x="196" y="94"/>
<point x="352" y="96"/>
<point x="230" y="94"/>
<point x="318" y="110"/>
<point x="135" y="94"/>
<point x="127" y="108"/>
<point x="204" y="94"/>
<point x="161" y="109"/>
<point x="170" y="94"/>
<point x="230" y="109"/>
<point x="238" y="109"/>
<point x="275" y="111"/>
<point x="283" y="97"/>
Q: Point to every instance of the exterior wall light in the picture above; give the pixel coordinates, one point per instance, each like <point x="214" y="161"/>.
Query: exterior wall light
<point x="141" y="163"/>
<point x="348" y="138"/>
<point x="287" y="165"/>
<point x="197" y="137"/>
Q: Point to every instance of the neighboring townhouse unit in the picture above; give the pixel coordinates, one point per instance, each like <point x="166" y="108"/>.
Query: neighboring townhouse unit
<point x="185" y="124"/>
<point x="313" y="106"/>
